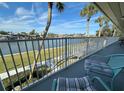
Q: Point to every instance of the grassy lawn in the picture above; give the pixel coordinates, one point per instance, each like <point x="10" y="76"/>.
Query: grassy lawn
<point x="9" y="62"/>
<point x="18" y="62"/>
<point x="50" y="52"/>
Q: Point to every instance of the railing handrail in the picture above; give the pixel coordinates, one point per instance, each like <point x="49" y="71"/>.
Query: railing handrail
<point x="15" y="40"/>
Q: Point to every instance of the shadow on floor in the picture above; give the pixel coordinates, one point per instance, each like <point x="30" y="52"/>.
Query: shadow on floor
<point x="75" y="70"/>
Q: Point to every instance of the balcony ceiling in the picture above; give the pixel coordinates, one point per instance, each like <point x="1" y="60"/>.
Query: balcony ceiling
<point x="115" y="11"/>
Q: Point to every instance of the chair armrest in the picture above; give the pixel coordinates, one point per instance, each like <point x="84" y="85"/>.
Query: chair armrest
<point x="120" y="67"/>
<point x="107" y="55"/>
<point x="54" y="85"/>
<point x="100" y="58"/>
<point x="117" y="54"/>
<point x="101" y="82"/>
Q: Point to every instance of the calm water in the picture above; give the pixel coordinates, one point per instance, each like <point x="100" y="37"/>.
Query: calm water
<point x="6" y="51"/>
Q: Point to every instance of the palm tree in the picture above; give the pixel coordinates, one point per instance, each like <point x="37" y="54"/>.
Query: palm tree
<point x="104" y="29"/>
<point x="106" y="21"/>
<point x="100" y="20"/>
<point x="107" y="31"/>
<point x="60" y="8"/>
<point x="88" y="11"/>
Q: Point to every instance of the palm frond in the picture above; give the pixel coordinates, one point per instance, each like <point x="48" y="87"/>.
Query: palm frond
<point x="83" y="12"/>
<point x="60" y="6"/>
<point x="89" y="11"/>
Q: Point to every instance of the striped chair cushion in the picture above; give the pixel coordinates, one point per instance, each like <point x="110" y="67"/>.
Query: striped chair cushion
<point x="89" y="63"/>
<point x="103" y="71"/>
<point x="74" y="84"/>
<point x="98" y="67"/>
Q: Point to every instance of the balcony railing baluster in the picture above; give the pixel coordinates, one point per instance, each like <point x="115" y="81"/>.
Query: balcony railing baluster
<point x="65" y="52"/>
<point x="22" y="61"/>
<point x="13" y="60"/>
<point x="68" y="52"/>
<point x="76" y="46"/>
<point x="44" y="51"/>
<point x="59" y="53"/>
<point x="4" y="62"/>
<point x="56" y="54"/>
<point x="35" y="59"/>
<point x="29" y="61"/>
<point x="62" y="53"/>
<point x="49" y="52"/>
<point x="39" y="45"/>
<point x="73" y="47"/>
<point x="53" y="52"/>
<point x="71" y="50"/>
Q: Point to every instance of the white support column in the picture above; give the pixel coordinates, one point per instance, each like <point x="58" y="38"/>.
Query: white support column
<point x="104" y="42"/>
<point x="87" y="46"/>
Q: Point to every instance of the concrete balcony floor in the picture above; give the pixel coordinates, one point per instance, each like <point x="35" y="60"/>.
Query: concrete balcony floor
<point x="74" y="70"/>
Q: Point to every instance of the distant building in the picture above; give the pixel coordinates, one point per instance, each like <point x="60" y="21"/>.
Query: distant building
<point x="78" y="35"/>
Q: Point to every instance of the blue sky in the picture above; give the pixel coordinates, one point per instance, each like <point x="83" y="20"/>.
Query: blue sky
<point x="23" y="17"/>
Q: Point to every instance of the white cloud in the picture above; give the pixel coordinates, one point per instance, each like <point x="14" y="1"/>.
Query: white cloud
<point x="73" y="26"/>
<point x="73" y="23"/>
<point x="19" y="21"/>
<point x="26" y="17"/>
<point x="19" y="24"/>
<point x="63" y="26"/>
<point x="4" y="5"/>
<point x="31" y="15"/>
<point x="25" y="21"/>
<point x="21" y="11"/>
<point x="43" y="18"/>
<point x="45" y="15"/>
<point x="76" y="5"/>
<point x="16" y="26"/>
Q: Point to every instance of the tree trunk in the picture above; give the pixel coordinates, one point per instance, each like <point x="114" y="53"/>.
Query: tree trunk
<point x="50" y="4"/>
<point x="87" y="28"/>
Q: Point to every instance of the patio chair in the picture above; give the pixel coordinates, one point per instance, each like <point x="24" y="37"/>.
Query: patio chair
<point x="108" y="65"/>
<point x="107" y="68"/>
<point x="121" y="40"/>
<point x="89" y="84"/>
